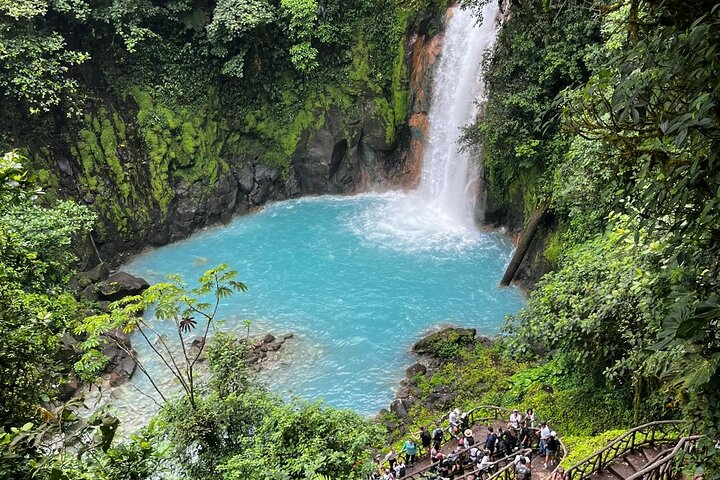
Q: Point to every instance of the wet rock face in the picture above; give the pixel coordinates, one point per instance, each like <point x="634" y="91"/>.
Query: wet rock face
<point x="346" y="155"/>
<point x="353" y="149"/>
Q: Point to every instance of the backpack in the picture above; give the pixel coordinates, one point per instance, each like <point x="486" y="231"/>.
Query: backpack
<point x="438" y="434"/>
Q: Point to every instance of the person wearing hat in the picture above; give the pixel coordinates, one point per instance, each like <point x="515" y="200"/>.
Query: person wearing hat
<point x="469" y="439"/>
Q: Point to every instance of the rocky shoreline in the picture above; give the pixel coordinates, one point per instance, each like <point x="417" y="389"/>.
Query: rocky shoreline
<point x="101" y="287"/>
<point x="434" y="350"/>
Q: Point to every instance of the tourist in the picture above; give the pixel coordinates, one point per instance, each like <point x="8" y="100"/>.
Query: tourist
<point x="474" y="454"/>
<point x="551" y="447"/>
<point x="525" y="436"/>
<point x="454" y="420"/>
<point x="437" y="437"/>
<point x="491" y="440"/>
<point x="456" y="468"/>
<point x="522" y="470"/>
<point x="510" y="437"/>
<point x="410" y="450"/>
<point x="503" y="445"/>
<point x="469" y="439"/>
<point x="387" y="475"/>
<point x="391" y="457"/>
<point x="465" y="421"/>
<point x="518" y="458"/>
<point x="515" y="419"/>
<point x="437" y="455"/>
<point x="530" y="418"/>
<point x="425" y="440"/>
<point x="400" y="470"/>
<point x="544" y="435"/>
<point x="484" y="465"/>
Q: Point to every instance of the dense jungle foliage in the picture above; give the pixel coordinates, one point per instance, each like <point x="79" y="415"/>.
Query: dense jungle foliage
<point x="610" y="111"/>
<point x="142" y="95"/>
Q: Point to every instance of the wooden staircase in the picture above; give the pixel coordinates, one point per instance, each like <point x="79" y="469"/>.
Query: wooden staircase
<point x="647" y="452"/>
<point x="480" y="418"/>
<point x="629" y="464"/>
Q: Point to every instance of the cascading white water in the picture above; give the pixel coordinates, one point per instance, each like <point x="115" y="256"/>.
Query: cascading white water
<point x="441" y="210"/>
<point x="448" y="175"/>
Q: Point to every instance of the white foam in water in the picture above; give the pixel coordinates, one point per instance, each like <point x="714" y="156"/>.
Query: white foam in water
<point x="441" y="212"/>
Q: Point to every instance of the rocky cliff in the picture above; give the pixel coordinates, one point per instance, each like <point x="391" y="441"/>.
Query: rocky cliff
<point x="156" y="173"/>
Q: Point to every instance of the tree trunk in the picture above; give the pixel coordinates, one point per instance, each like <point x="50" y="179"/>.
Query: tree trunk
<point x="525" y="242"/>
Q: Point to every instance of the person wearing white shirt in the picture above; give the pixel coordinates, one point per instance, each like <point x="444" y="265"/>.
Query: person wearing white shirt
<point x="515" y="419"/>
<point x="544" y="436"/>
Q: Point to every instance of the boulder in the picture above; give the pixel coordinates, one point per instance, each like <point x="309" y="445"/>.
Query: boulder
<point x="99" y="273"/>
<point x="446" y="343"/>
<point x="120" y="285"/>
<point x="398" y="408"/>
<point x="89" y="293"/>
<point x="68" y="390"/>
<point x="194" y="349"/>
<point x="121" y="365"/>
<point x="268" y="338"/>
<point x="416" y="369"/>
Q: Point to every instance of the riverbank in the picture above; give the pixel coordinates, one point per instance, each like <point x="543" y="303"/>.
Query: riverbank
<point x="458" y="369"/>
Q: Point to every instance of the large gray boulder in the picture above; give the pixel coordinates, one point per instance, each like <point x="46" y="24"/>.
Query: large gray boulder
<point x="120" y="285"/>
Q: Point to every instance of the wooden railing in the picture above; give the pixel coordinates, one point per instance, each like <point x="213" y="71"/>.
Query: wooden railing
<point x="502" y="468"/>
<point x="508" y="472"/>
<point x="481" y="414"/>
<point x="663" y="466"/>
<point x="661" y="432"/>
<point x="498" y="468"/>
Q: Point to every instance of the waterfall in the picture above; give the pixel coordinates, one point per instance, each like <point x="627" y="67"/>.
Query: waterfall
<point x="449" y="179"/>
<point x="442" y="209"/>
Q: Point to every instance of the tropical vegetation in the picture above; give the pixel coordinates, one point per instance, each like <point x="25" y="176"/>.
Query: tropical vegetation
<point x="607" y="110"/>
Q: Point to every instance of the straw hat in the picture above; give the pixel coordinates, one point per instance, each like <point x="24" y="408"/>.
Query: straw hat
<point x="468" y="433"/>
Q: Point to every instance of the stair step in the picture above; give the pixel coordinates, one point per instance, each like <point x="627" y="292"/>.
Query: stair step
<point x="621" y="469"/>
<point x="605" y="475"/>
<point x="650" y="453"/>
<point x="637" y="460"/>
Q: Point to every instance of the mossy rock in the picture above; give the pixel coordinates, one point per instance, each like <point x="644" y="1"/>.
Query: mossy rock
<point x="447" y="343"/>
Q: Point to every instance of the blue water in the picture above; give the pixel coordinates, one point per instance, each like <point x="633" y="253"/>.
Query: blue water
<point x="355" y="286"/>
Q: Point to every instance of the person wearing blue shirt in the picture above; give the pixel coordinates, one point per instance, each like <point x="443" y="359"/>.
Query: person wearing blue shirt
<point x="410" y="449"/>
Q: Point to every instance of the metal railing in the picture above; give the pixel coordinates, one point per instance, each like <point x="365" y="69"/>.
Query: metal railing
<point x="660" y="432"/>
<point x="663" y="466"/>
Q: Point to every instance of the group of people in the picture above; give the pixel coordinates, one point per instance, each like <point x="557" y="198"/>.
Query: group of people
<point x="470" y="456"/>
